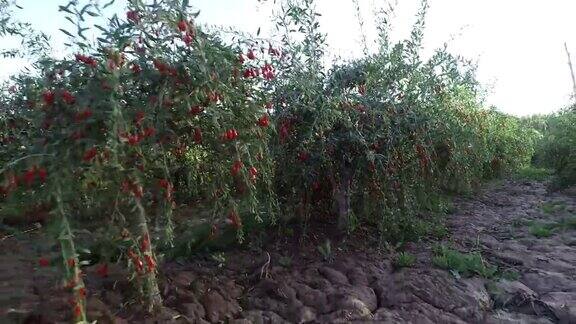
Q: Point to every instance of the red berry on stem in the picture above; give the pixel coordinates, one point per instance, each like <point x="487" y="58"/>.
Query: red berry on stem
<point x="251" y="55"/>
<point x="163" y="183"/>
<point x="253" y="173"/>
<point x="150" y="263"/>
<point x="102" y="270"/>
<point x="43" y="262"/>
<point x="68" y="98"/>
<point x="235" y="220"/>
<point x="42" y="174"/>
<point x="236" y="167"/>
<point x="187" y="39"/>
<point x="136" y="68"/>
<point x="90" y="154"/>
<point x="133" y="16"/>
<point x="264" y="121"/>
<point x="182" y="25"/>
<point x="145" y="245"/>
<point x="303" y="156"/>
<point x="48" y="97"/>
<point x="198" y="135"/>
<point x="149" y="132"/>
<point x="195" y="110"/>
<point x="77" y="311"/>
<point x="139" y="117"/>
<point x="29" y="176"/>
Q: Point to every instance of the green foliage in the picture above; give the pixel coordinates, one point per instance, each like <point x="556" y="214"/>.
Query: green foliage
<point x="378" y="139"/>
<point x="325" y="250"/>
<point x="285" y="261"/>
<point x="557" y="147"/>
<point x="568" y="223"/>
<point x="540" y="230"/>
<point x="510" y="274"/>
<point x="154" y="106"/>
<point x="460" y="264"/>
<point x="33" y="44"/>
<point x="532" y="173"/>
<point x="161" y="136"/>
<point x="552" y="207"/>
<point x="404" y="260"/>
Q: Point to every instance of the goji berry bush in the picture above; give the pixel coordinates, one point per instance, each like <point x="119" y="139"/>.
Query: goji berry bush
<point x="160" y="115"/>
<point x="381" y="137"/>
<point x="555" y="148"/>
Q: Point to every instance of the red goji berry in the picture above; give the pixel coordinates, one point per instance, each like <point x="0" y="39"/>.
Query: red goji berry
<point x="102" y="270"/>
<point x="264" y="121"/>
<point x="133" y="16"/>
<point x="150" y="263"/>
<point x="68" y="98"/>
<point x="235" y="220"/>
<point x="182" y="25"/>
<point x="90" y="154"/>
<point x="236" y="167"/>
<point x="71" y="262"/>
<point x="198" y="135"/>
<point x="251" y="55"/>
<point x="48" y="97"/>
<point x="43" y="262"/>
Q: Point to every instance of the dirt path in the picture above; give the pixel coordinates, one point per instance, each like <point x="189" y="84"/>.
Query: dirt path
<point x="361" y="285"/>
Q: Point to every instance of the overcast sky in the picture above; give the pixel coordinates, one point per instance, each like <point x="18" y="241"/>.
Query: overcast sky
<point x="518" y="44"/>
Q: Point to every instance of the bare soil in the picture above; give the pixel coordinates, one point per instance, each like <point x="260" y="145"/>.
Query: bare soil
<point x="292" y="283"/>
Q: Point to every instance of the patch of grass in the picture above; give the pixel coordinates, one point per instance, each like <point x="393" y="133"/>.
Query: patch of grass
<point x="540" y="230"/>
<point x="510" y="275"/>
<point x="552" y="207"/>
<point x="460" y="264"/>
<point x="567" y="223"/>
<point x="439" y="231"/>
<point x="546" y="230"/>
<point x="517" y="222"/>
<point x="285" y="261"/>
<point x="404" y="260"/>
<point x="531" y="173"/>
<point x="434" y="227"/>
<point x="326" y="251"/>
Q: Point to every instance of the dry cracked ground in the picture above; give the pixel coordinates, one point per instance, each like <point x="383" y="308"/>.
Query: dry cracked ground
<point x="519" y="227"/>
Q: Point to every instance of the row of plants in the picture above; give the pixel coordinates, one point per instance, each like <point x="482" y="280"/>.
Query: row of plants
<point x="160" y="118"/>
<point x="555" y="148"/>
<point x="382" y="137"/>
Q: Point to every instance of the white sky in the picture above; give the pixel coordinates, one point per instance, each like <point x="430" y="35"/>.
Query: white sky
<point x="518" y="44"/>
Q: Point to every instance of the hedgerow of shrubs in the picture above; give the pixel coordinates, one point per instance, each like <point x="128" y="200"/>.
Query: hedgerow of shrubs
<point x="378" y="139"/>
<point x="160" y="118"/>
<point x="555" y="149"/>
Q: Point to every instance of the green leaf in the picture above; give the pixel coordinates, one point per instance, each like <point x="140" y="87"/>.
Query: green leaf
<point x="65" y="9"/>
<point x="108" y="4"/>
<point x="66" y="32"/>
<point x="101" y="28"/>
<point x="81" y="32"/>
<point x="84" y="9"/>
